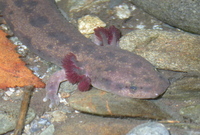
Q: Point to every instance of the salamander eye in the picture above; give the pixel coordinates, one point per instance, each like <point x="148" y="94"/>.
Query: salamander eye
<point x="133" y="87"/>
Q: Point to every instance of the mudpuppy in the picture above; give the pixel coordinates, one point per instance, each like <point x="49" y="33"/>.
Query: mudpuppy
<point x="41" y="26"/>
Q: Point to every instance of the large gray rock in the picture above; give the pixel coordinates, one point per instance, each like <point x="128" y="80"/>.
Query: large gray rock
<point x="191" y="112"/>
<point x="184" y="14"/>
<point x="106" y="104"/>
<point x="176" y="51"/>
<point x="9" y="112"/>
<point x="150" y="128"/>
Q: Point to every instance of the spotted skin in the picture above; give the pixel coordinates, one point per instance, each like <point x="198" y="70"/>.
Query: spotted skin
<point x="40" y="26"/>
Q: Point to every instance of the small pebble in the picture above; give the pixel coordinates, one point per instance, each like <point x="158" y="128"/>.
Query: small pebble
<point x="123" y="11"/>
<point x="87" y="24"/>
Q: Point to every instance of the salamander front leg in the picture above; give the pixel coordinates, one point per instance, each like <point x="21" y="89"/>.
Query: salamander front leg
<point x="52" y="87"/>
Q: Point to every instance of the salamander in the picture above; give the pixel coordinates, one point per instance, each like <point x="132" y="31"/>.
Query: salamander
<point x="40" y="25"/>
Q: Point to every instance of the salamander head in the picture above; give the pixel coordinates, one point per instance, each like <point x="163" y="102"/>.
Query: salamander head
<point x="135" y="77"/>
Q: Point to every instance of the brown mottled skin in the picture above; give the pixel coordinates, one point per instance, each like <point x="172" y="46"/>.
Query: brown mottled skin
<point x="41" y="27"/>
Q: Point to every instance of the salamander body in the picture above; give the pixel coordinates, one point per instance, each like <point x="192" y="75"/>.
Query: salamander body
<point x="40" y="26"/>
